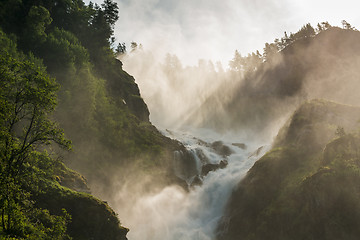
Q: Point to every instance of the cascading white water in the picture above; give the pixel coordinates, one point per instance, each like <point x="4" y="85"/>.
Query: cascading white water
<point x="174" y="214"/>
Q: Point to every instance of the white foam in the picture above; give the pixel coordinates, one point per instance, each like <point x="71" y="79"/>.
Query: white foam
<point x="174" y="214"/>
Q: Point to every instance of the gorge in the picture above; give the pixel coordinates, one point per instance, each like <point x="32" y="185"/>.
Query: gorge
<point x="103" y="142"/>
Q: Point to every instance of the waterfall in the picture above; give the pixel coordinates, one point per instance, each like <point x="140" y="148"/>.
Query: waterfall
<point x="175" y="214"/>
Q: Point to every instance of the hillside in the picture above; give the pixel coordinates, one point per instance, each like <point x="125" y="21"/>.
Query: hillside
<point x="306" y="187"/>
<point x="320" y="66"/>
<point x="68" y="91"/>
<point x="77" y="144"/>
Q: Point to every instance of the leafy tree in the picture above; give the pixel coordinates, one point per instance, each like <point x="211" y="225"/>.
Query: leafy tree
<point x="306" y="31"/>
<point x="120" y="49"/>
<point x="270" y="51"/>
<point x="319" y="28"/>
<point x="36" y="22"/>
<point x="347" y="25"/>
<point x="325" y="25"/>
<point x="237" y="62"/>
<point x="62" y="49"/>
<point x="245" y="64"/>
<point x="111" y="12"/>
<point x="10" y="15"/>
<point x="27" y="97"/>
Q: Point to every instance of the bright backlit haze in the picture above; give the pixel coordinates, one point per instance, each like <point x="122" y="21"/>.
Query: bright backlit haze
<point x="213" y="29"/>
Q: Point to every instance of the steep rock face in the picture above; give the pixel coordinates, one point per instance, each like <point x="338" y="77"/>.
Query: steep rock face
<point x="123" y="88"/>
<point x="298" y="190"/>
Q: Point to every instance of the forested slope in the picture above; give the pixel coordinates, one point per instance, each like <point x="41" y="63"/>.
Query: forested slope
<point x="58" y="56"/>
<point x="321" y="65"/>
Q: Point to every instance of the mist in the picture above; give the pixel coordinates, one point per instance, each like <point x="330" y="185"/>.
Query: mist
<point x="185" y="75"/>
<point x="212" y="30"/>
<point x="174" y="212"/>
<point x="173" y="92"/>
<point x="183" y="69"/>
<point x="185" y="119"/>
<point x="253" y="102"/>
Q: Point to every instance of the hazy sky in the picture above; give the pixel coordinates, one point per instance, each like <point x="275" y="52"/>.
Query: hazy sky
<point x="214" y="29"/>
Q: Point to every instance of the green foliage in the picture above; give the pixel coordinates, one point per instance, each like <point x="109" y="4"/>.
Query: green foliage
<point x="11" y="16"/>
<point x="27" y="97"/>
<point x="36" y="22"/>
<point x="99" y="108"/>
<point x="63" y="50"/>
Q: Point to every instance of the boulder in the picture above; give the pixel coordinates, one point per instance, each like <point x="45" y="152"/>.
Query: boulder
<point x="213" y="167"/>
<point x="221" y="149"/>
<point x="240" y="145"/>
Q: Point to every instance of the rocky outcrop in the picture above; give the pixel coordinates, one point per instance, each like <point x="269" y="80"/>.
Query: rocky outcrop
<point x="213" y="167"/>
<point x="240" y="145"/>
<point x="185" y="165"/>
<point x="221" y="149"/>
<point x="91" y="218"/>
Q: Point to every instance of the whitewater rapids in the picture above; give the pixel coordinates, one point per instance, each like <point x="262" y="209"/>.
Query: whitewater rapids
<point x="174" y="214"/>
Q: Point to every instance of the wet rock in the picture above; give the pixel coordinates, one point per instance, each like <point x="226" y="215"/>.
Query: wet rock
<point x="257" y="152"/>
<point x="201" y="155"/>
<point x="208" y="168"/>
<point x="223" y="163"/>
<point x="196" y="181"/>
<point x="202" y="142"/>
<point x="221" y="149"/>
<point x="240" y="145"/>
<point x="213" y="167"/>
<point x="184" y="165"/>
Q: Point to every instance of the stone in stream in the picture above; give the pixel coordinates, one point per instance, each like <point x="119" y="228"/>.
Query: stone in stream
<point x="213" y="167"/>
<point x="221" y="149"/>
<point x="257" y="152"/>
<point x="197" y="181"/>
<point x="240" y="145"/>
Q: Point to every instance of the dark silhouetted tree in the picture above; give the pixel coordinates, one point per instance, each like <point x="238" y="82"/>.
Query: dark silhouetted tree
<point x="270" y="51"/>
<point x="121" y="48"/>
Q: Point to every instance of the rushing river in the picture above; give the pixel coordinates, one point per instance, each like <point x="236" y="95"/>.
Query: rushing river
<point x="174" y="214"/>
